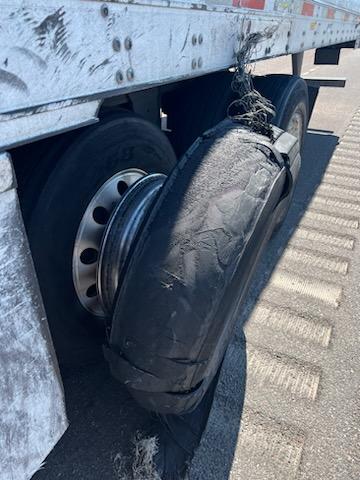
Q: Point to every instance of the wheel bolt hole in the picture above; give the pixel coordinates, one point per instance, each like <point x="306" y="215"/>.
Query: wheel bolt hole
<point x="89" y="256"/>
<point x="101" y="215"/>
<point x="91" y="292"/>
<point x="122" y="187"/>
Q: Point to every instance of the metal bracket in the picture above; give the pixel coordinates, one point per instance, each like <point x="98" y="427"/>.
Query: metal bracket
<point x="318" y="82"/>
<point x="314" y="85"/>
<point x="147" y="104"/>
<point x="331" y="55"/>
<point x="297" y="61"/>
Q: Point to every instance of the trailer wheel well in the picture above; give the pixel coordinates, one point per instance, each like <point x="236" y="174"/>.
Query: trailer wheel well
<point x="195" y="105"/>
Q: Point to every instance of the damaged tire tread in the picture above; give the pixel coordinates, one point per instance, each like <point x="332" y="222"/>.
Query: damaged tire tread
<point x="208" y="222"/>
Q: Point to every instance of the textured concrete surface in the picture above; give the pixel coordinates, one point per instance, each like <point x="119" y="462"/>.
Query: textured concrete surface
<point x="287" y="404"/>
<point x="288" y="399"/>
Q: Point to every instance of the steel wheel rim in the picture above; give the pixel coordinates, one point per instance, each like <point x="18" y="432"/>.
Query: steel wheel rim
<point x="120" y="234"/>
<point x="89" y="236"/>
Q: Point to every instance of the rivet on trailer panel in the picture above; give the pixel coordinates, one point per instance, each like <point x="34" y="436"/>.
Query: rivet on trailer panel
<point x="104" y="9"/>
<point x="119" y="76"/>
<point x="128" y="43"/>
<point x="193" y="64"/>
<point x="116" y="44"/>
<point x="200" y="39"/>
<point x="130" y="74"/>
<point x="200" y="62"/>
<point x="194" y="39"/>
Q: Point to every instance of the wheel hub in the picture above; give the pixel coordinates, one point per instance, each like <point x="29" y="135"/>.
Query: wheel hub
<point x="296" y="126"/>
<point x="106" y="234"/>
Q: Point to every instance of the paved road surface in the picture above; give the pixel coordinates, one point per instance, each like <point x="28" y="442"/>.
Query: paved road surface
<point x="287" y="406"/>
<point x="296" y="352"/>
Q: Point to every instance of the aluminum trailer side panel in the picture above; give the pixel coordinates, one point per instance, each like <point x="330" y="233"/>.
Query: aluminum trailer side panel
<point x="32" y="405"/>
<point x="78" y="51"/>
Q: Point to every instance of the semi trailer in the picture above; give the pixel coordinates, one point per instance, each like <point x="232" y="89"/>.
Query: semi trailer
<point x="140" y="180"/>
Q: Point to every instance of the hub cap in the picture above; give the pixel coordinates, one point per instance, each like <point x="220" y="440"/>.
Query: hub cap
<point x="296" y="126"/>
<point x="106" y="232"/>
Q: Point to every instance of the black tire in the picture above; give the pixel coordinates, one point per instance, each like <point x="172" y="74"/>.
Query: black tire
<point x="34" y="163"/>
<point x="288" y="94"/>
<point x="98" y="153"/>
<point x="192" y="265"/>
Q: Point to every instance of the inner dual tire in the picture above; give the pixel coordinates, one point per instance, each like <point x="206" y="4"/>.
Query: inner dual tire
<point x="119" y="144"/>
<point x="290" y="97"/>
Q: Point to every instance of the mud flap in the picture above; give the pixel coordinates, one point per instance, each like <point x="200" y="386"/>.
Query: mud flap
<point x="193" y="263"/>
<point x="32" y="407"/>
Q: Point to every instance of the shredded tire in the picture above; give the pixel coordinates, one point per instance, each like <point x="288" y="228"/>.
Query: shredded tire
<point x="188" y="273"/>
